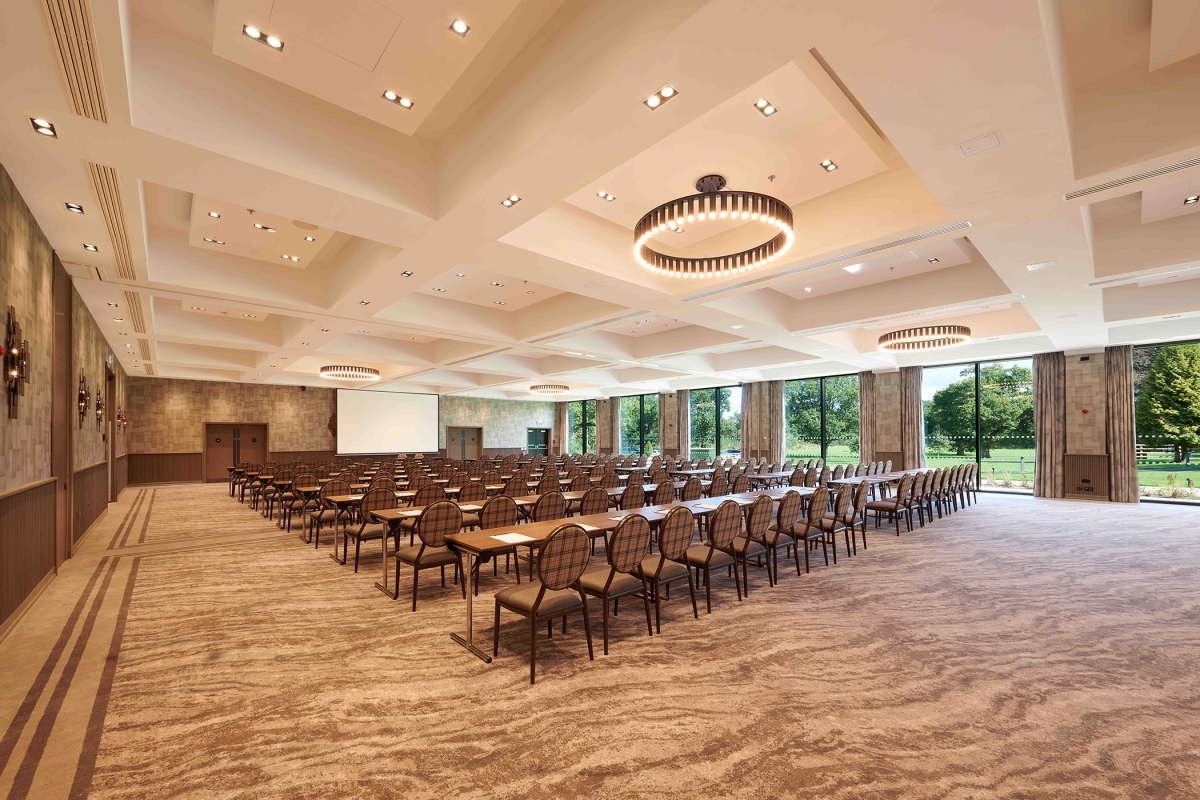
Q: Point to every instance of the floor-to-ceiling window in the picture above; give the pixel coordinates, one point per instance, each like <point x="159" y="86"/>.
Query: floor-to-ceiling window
<point x="639" y="424"/>
<point x="821" y="419"/>
<point x="716" y="421"/>
<point x="1166" y="389"/>
<point x="982" y="412"/>
<point x="581" y="426"/>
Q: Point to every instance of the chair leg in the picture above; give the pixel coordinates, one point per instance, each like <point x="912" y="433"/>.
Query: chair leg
<point x="357" y="548"/>
<point x="416" y="575"/>
<point x="532" y="648"/>
<point x="646" y="603"/>
<point x="708" y="588"/>
<point x="692" y="591"/>
<point x="587" y="625"/>
<point x="604" y="622"/>
<point x="496" y="632"/>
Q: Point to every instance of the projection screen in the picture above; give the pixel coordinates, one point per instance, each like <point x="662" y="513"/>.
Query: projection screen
<point x="386" y="422"/>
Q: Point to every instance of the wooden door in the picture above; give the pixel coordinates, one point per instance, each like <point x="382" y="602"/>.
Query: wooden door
<point x="218" y="452"/>
<point x="454" y="445"/>
<point x="252" y="443"/>
<point x="472" y="439"/>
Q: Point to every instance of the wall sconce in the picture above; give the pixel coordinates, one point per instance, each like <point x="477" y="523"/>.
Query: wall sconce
<point x="16" y="362"/>
<point x="122" y="420"/>
<point x="99" y="411"/>
<point x="84" y="398"/>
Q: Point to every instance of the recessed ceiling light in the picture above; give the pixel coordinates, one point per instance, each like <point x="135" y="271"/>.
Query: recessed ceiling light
<point x="112" y="305"/>
<point x="529" y="292"/>
<point x="588" y="355"/>
<point x="808" y="288"/>
<point x="74" y="207"/>
<point x="309" y="239"/>
<point x="438" y="290"/>
<point x="127" y="344"/>
<point x="406" y="274"/>
<point x="853" y="268"/>
<point x="460" y="27"/>
<point x="251" y="316"/>
<point x="462" y="275"/>
<point x="363" y="330"/>
<point x="1190" y="200"/>
<point x="324" y="330"/>
<point x="392" y="97"/>
<point x="605" y="196"/>
<point x="497" y="284"/>
<point x="291" y="258"/>
<point x="499" y="302"/>
<point x="828" y="165"/>
<point x="118" y="319"/>
<point x="198" y="308"/>
<point x="933" y="261"/>
<point x="765" y="107"/>
<point x="43" y="127"/>
<point x="91" y="247"/>
<point x="214" y="215"/>
<point x="254" y="33"/>
<point x="656" y="100"/>
<point x="1039" y="265"/>
<point x="510" y="201"/>
<point x="364" y="302"/>
<point x="413" y="338"/>
<point x="304" y="343"/>
<point x="262" y="227"/>
<point x="213" y="241"/>
<point x="737" y="327"/>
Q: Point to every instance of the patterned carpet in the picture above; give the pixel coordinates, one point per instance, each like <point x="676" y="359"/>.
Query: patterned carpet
<point x="1020" y="648"/>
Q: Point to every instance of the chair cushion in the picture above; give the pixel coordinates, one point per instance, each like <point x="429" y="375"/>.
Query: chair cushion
<point x="670" y="570"/>
<point x="748" y="548"/>
<point x="471" y="519"/>
<point x="622" y="583"/>
<point x="432" y="557"/>
<point x="521" y="599"/>
<point x="369" y="533"/>
<point x="882" y="505"/>
<point x="697" y="553"/>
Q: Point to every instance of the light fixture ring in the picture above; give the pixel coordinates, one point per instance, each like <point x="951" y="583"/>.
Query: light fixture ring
<point x="926" y="337"/>
<point x="348" y="372"/>
<point x="549" y="388"/>
<point x="709" y="205"/>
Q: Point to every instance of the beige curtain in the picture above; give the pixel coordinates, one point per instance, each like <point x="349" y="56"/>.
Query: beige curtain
<point x="1049" y="423"/>
<point x="762" y="420"/>
<point x="750" y="419"/>
<point x="866" y="416"/>
<point x="1119" y="424"/>
<point x="912" y="418"/>
<point x="683" y="422"/>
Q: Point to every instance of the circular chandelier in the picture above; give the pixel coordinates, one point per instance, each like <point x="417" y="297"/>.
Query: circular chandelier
<point x="712" y="204"/>
<point x="550" y="388"/>
<point x="930" y="337"/>
<point x="349" y="373"/>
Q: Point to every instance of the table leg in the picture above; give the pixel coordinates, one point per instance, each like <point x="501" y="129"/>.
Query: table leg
<point x="383" y="587"/>
<point x="469" y="642"/>
<point x="334" y="554"/>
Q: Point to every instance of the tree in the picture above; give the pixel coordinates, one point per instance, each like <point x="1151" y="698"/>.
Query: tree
<point x="703" y="415"/>
<point x="841" y="411"/>
<point x="950" y="414"/>
<point x="1168" y="408"/>
<point x="1005" y="408"/>
<point x="802" y="411"/>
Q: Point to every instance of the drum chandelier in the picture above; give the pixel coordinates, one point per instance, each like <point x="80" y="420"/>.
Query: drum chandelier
<point x="930" y="337"/>
<point x="709" y="205"/>
<point x="350" y="373"/>
<point x="550" y="388"/>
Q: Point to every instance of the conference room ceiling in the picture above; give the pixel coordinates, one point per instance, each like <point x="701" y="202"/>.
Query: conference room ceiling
<point x="351" y="229"/>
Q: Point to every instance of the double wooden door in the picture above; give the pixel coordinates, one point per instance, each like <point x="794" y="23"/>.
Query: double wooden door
<point x="226" y="445"/>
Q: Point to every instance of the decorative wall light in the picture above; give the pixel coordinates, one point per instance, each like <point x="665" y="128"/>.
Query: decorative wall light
<point x="929" y="337"/>
<point x="342" y="372"/>
<point x="16" y="362"/>
<point x="122" y="420"/>
<point x="550" y="388"/>
<point x="84" y="398"/>
<point x="711" y="204"/>
<point x="99" y="411"/>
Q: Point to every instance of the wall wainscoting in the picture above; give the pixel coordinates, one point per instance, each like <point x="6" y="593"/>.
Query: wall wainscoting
<point x="165" y="467"/>
<point x="284" y="456"/>
<point x="26" y="546"/>
<point x="91" y="497"/>
<point x="121" y="467"/>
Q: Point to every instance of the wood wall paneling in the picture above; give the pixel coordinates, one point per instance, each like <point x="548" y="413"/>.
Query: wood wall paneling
<point x="121" y="474"/>
<point x="1086" y="476"/>
<point x="90" y="497"/>
<point x="27" y="528"/>
<point x="62" y="408"/>
<point x="284" y="456"/>
<point x="165" y="467"/>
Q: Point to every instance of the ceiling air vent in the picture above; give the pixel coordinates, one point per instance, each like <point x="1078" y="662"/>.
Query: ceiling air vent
<point x="107" y="186"/>
<point x="75" y="43"/>
<point x="1141" y="176"/>
<point x="589" y="326"/>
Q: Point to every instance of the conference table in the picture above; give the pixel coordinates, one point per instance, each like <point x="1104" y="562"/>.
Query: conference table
<point x="476" y="545"/>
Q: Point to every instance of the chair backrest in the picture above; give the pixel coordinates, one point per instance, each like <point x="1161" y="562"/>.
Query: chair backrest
<point x="725" y="525"/>
<point x="818" y="504"/>
<point x="348" y="475"/>
<point x="437" y="521"/>
<point x="517" y="487"/>
<point x="610" y="480"/>
<point x="418" y="480"/>
<point x="664" y="493"/>
<point x="306" y="480"/>
<point x="595" y="501"/>
<point x="634" y="497"/>
<point x="719" y="486"/>
<point x="797" y="477"/>
<point x="692" y="490"/>
<point x="838" y="471"/>
<point x="741" y="484"/>
<point x="548" y="483"/>
<point x="629" y="543"/>
<point x="458" y="480"/>
<point x="285" y="474"/>
<point x="580" y="483"/>
<point x="428" y="495"/>
<point x="675" y="533"/>
<point x="382" y="481"/>
<point x="904" y="490"/>
<point x="862" y="493"/>
<point x="551" y="505"/>
<point x="499" y="512"/>
<point x="810" y="477"/>
<point x="887" y="467"/>
<point x="491" y="477"/>
<point x="334" y="487"/>
<point x="635" y="477"/>
<point x="473" y="492"/>
<point x="823" y="477"/>
<point x="377" y="500"/>
<point x="789" y="511"/>
<point x="758" y="517"/>
<point x="475" y="472"/>
<point x="563" y="556"/>
<point x="843" y="503"/>
<point x="658" y="476"/>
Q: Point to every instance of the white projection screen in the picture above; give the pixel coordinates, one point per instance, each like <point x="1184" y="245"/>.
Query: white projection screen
<point x="386" y="422"/>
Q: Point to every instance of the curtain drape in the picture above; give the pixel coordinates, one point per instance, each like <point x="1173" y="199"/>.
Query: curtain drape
<point x="866" y="416"/>
<point x="912" y="418"/>
<point x="1049" y="423"/>
<point x="1119" y="425"/>
<point x="683" y="422"/>
<point x="750" y="420"/>
<point x="762" y="420"/>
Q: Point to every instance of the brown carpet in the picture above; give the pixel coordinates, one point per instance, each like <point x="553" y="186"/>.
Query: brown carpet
<point x="1019" y="648"/>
